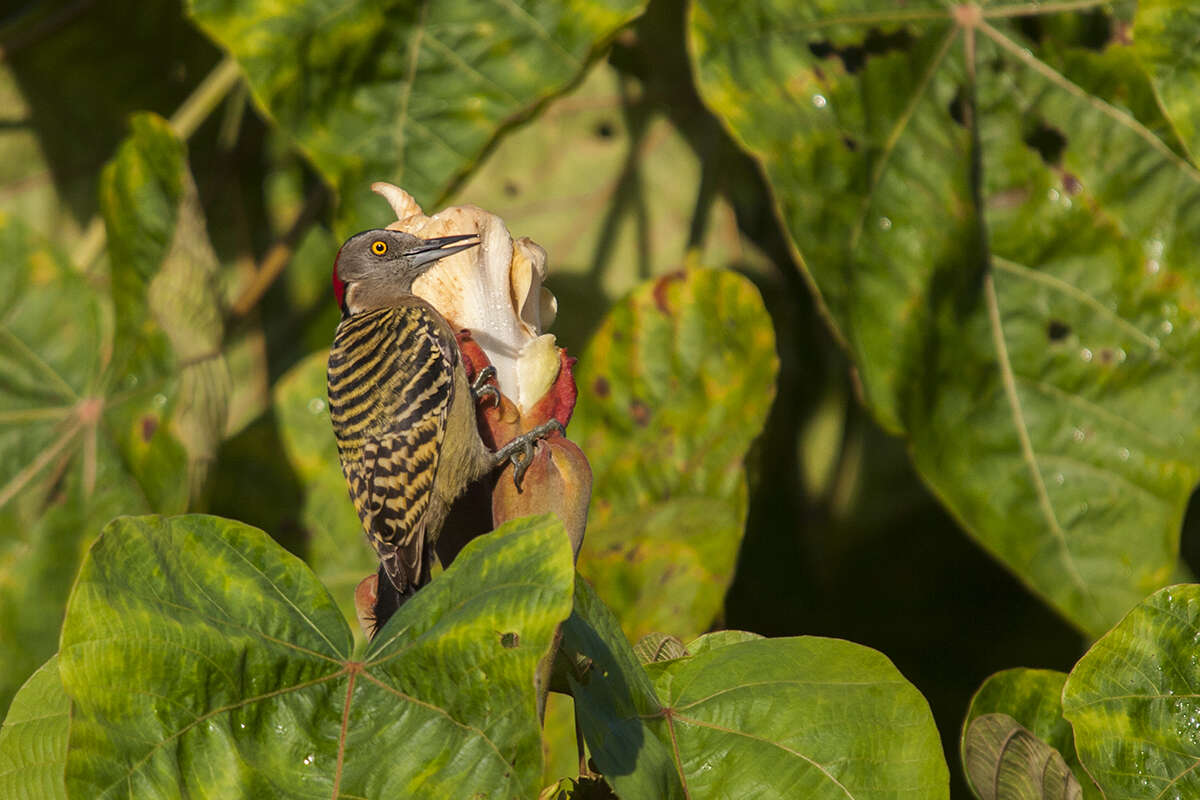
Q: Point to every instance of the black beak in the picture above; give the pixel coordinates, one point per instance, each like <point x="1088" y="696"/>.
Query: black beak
<point x="431" y="250"/>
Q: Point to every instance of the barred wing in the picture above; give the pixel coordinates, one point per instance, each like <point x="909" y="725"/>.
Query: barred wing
<point x="391" y="382"/>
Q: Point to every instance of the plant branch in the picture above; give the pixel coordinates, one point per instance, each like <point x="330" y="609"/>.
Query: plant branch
<point x="280" y="254"/>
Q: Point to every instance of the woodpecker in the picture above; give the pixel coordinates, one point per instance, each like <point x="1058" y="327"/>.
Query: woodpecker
<point x="403" y="411"/>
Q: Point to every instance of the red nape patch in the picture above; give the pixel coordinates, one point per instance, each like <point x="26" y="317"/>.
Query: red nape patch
<point x="339" y="288"/>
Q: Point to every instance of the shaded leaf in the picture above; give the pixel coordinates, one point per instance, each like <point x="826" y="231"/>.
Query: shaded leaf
<point x="169" y="325"/>
<point x="247" y="686"/>
<point x="1132" y="700"/>
<point x="334" y="544"/>
<point x="1033" y="699"/>
<point x="1006" y="762"/>
<point x="674" y="387"/>
<point x="33" y="741"/>
<point x="410" y="94"/>
<point x="658" y="647"/>
<point x="613" y="695"/>
<point x="1008" y="256"/>
<point x="63" y="472"/>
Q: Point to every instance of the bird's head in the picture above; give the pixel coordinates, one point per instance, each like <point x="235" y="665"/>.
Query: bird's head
<point x="375" y="267"/>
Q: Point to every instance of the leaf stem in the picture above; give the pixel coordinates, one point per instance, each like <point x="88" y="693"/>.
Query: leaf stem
<point x="280" y="254"/>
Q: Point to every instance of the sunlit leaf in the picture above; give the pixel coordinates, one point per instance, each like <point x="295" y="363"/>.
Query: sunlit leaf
<point x="1008" y="253"/>
<point x="801" y="717"/>
<point x="247" y="686"/>
<point x="674" y="387"/>
<point x="33" y="741"/>
<point x="1164" y="36"/>
<point x="402" y="92"/>
<point x="1132" y="700"/>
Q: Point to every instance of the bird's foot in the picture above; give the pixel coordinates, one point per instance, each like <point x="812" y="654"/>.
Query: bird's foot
<point x="520" y="450"/>
<point x="480" y="388"/>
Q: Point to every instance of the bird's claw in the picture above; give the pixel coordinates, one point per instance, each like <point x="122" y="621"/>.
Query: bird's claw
<point x="480" y="388"/>
<point x="520" y="450"/>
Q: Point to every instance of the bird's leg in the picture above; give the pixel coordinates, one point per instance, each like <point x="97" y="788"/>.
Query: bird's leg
<point x="520" y="450"/>
<point x="480" y="388"/>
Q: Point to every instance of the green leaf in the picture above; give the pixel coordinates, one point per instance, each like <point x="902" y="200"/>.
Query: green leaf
<point x="63" y="419"/>
<point x="334" y="543"/>
<point x="711" y="641"/>
<point x="613" y="697"/>
<point x="1164" y="38"/>
<point x="33" y="741"/>
<point x="1006" y="762"/>
<point x="1004" y="249"/>
<point x="798" y="717"/>
<point x="674" y="387"/>
<point x="407" y="93"/>
<point x="1132" y="700"/>
<point x="1033" y="699"/>
<point x="164" y="271"/>
<point x="201" y="658"/>
<point x="803" y="717"/>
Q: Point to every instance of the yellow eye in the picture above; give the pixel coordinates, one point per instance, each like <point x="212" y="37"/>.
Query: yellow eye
<point x="378" y="247"/>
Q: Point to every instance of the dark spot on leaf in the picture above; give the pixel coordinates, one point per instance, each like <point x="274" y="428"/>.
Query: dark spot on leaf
<point x="1048" y="141"/>
<point x="149" y="426"/>
<point x="850" y="143"/>
<point x="1106" y="355"/>
<point x="660" y="290"/>
<point x="631" y="555"/>
<point x="1071" y="184"/>
<point x="510" y="640"/>
<point x="854" y="56"/>
<point x="819" y="74"/>
<point x="639" y="412"/>
<point x="958" y="106"/>
<point x="600" y="387"/>
<point x="1057" y="331"/>
<point x="511" y="189"/>
<point x="605" y="130"/>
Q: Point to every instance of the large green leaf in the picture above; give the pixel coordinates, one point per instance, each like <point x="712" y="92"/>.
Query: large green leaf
<point x="1007" y="247"/>
<point x="1033" y="699"/>
<point x="674" y="387"/>
<point x="1133" y="704"/>
<point x="33" y="741"/>
<point x="803" y="717"/>
<point x="201" y="658"/>
<point x="405" y="92"/>
<point x="334" y="544"/>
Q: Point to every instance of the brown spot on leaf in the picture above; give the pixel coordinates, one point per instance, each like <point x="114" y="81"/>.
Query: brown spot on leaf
<point x="510" y="640"/>
<point x="1057" y="331"/>
<point x="640" y="413"/>
<point x="660" y="290"/>
<point x="1106" y="355"/>
<point x="600" y="387"/>
<point x="1071" y="184"/>
<point x="149" y="426"/>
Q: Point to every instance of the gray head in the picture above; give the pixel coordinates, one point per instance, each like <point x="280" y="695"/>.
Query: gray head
<point x="376" y="267"/>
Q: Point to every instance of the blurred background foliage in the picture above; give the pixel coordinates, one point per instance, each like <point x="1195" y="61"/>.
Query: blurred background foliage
<point x="169" y="216"/>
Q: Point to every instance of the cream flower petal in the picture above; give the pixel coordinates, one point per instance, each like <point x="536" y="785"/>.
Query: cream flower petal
<point x="494" y="290"/>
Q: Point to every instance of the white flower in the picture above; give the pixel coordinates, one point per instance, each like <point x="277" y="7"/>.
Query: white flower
<point x="494" y="290"/>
